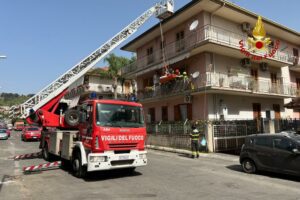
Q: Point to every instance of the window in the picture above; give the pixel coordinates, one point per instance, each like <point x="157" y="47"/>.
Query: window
<point x="283" y="144"/>
<point x="298" y="83"/>
<point x="164" y="113"/>
<point x="114" y="115"/>
<point x="273" y="78"/>
<point x="263" y="141"/>
<point x="183" y="112"/>
<point x="150" y="57"/>
<point x="180" y="41"/>
<point x="151" y="112"/>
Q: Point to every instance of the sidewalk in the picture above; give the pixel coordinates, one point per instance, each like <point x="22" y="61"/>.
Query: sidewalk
<point x="227" y="157"/>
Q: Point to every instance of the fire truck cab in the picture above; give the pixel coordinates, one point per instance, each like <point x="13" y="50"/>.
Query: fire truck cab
<point x="110" y="135"/>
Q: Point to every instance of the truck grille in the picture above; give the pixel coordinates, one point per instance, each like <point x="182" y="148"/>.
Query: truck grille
<point x="121" y="162"/>
<point x="120" y="146"/>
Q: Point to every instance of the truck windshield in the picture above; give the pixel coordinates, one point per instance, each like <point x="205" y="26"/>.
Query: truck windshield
<point x="114" y="115"/>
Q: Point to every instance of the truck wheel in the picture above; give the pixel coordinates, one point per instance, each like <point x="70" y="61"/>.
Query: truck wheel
<point x="72" y="117"/>
<point x="45" y="152"/>
<point x="78" y="170"/>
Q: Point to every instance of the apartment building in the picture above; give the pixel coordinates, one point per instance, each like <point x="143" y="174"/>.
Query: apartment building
<point x="209" y="40"/>
<point x="99" y="83"/>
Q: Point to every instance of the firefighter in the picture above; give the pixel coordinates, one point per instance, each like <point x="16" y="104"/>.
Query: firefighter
<point x="195" y="134"/>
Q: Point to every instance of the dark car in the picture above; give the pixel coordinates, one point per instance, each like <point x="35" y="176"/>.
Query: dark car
<point x="271" y="152"/>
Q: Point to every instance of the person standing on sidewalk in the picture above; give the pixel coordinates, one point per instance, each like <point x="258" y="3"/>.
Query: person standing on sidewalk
<point x="195" y="135"/>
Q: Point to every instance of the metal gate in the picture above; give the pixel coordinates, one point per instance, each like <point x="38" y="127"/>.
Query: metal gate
<point x="229" y="137"/>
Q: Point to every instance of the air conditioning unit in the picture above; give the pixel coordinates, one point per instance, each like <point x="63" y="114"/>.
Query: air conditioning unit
<point x="246" y="27"/>
<point x="188" y="99"/>
<point x="105" y="88"/>
<point x="245" y="62"/>
<point x="263" y="66"/>
<point x="108" y="89"/>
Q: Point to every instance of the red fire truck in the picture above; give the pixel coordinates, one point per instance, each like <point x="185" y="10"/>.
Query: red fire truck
<point x="97" y="135"/>
<point x="92" y="134"/>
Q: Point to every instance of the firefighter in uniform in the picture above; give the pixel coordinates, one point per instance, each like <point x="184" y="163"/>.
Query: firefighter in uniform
<point x="195" y="141"/>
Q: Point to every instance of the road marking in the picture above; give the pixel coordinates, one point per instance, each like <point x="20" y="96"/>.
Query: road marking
<point x="6" y="182"/>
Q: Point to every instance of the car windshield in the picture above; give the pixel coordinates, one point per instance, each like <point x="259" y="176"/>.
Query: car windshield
<point x="2" y="130"/>
<point x="32" y="129"/>
<point x="114" y="115"/>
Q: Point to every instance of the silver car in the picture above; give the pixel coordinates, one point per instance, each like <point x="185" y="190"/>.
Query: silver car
<point x="3" y="134"/>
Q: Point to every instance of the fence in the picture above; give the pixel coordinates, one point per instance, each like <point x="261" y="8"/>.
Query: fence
<point x="226" y="135"/>
<point x="171" y="134"/>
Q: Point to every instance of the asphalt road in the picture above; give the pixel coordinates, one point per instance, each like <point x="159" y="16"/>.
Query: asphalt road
<point x="167" y="176"/>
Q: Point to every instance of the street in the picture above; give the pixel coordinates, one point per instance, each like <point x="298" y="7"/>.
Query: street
<point x="167" y="176"/>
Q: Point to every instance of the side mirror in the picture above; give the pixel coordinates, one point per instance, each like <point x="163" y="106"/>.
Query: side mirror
<point x="296" y="151"/>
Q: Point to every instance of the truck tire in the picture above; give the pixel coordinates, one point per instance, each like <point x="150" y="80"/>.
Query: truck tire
<point x="72" y="117"/>
<point x="79" y="170"/>
<point x="45" y="152"/>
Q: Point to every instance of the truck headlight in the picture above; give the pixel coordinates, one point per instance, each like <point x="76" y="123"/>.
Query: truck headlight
<point x="143" y="156"/>
<point x="98" y="158"/>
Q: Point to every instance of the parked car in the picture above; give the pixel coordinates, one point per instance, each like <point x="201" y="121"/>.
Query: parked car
<point x="3" y="134"/>
<point x="271" y="152"/>
<point x="31" y="133"/>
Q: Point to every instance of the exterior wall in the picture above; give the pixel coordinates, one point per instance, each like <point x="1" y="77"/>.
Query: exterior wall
<point x="225" y="64"/>
<point x="240" y="107"/>
<point x="213" y="105"/>
<point x="285" y="48"/>
<point x="170" y="103"/>
<point x="170" y="36"/>
<point x="106" y="85"/>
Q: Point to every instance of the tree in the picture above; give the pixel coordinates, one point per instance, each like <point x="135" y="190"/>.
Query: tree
<point x="115" y="64"/>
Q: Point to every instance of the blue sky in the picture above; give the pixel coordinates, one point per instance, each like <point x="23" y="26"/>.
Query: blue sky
<point x="43" y="39"/>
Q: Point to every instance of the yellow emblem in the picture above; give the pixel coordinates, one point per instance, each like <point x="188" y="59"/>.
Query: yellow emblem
<point x="259" y="41"/>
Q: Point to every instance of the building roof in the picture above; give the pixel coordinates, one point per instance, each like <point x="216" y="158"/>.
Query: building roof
<point x="99" y="71"/>
<point x="207" y="5"/>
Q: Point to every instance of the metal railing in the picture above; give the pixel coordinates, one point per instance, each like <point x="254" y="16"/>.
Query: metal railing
<point x="206" y="33"/>
<point x="218" y="81"/>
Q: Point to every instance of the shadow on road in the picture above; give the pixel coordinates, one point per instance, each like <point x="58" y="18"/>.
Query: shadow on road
<point x="104" y="175"/>
<point x="112" y="174"/>
<point x="238" y="168"/>
<point x="184" y="155"/>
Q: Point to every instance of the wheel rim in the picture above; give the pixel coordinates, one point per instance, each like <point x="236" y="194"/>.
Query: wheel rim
<point x="248" y="166"/>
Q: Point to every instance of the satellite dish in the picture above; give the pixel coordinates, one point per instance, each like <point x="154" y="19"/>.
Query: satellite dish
<point x="194" y="25"/>
<point x="195" y="74"/>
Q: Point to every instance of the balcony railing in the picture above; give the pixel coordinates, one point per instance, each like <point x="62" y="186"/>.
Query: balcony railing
<point x="220" y="81"/>
<point x="206" y="33"/>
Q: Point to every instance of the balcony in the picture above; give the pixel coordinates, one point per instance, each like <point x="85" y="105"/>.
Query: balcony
<point x="208" y="33"/>
<point x="219" y="83"/>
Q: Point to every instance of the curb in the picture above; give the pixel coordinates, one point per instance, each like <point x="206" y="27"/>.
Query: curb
<point x="220" y="156"/>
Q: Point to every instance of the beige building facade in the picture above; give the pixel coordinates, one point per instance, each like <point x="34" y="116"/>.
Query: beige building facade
<point x="203" y="39"/>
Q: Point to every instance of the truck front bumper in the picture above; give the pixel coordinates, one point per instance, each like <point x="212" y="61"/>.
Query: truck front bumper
<point x="109" y="160"/>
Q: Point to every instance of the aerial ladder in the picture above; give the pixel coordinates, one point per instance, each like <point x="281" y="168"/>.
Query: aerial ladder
<point x="58" y="88"/>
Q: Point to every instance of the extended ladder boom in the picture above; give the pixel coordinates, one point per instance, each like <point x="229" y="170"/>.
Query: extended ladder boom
<point x="162" y="10"/>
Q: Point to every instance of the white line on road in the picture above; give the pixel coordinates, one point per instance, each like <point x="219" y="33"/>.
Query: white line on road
<point x="6" y="182"/>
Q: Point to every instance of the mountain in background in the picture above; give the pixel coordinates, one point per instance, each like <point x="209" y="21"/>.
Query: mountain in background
<point x="9" y="99"/>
